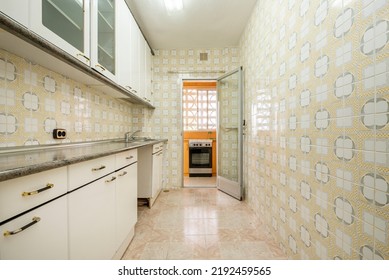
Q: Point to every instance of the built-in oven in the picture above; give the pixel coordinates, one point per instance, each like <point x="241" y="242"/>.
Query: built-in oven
<point x="200" y="158"/>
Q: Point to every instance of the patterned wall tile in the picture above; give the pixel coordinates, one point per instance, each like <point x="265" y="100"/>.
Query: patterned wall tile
<point x="169" y="68"/>
<point x="316" y="108"/>
<point x="325" y="72"/>
<point x="35" y="100"/>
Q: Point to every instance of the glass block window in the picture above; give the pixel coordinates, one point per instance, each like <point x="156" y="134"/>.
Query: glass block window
<point x="199" y="106"/>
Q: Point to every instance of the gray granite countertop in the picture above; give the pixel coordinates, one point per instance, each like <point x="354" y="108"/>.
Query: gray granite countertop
<point x="29" y="160"/>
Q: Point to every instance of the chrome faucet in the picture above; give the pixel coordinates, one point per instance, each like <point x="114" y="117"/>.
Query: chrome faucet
<point x="130" y="135"/>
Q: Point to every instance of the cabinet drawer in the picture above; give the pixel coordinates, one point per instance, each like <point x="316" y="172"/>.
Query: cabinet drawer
<point x="20" y="194"/>
<point x="157" y="147"/>
<point x="126" y="158"/>
<point x="87" y="171"/>
<point x="39" y="235"/>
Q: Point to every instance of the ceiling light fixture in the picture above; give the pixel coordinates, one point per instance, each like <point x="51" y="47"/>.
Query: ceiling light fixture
<point x="173" y="5"/>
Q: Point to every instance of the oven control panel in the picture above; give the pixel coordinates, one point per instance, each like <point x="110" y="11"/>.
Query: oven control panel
<point x="200" y="143"/>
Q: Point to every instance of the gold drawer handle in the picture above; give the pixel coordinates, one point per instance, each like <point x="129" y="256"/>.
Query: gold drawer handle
<point x="98" y="168"/>
<point x="48" y="186"/>
<point x="101" y="67"/>
<point x="84" y="56"/>
<point x="123" y="174"/>
<point x="110" y="180"/>
<point x="131" y="157"/>
<point x="13" y="232"/>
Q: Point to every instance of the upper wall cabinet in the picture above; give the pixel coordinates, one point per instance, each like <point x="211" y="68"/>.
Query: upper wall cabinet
<point x="135" y="57"/>
<point x="134" y="66"/>
<point x="148" y="74"/>
<point x="103" y="37"/>
<point x="65" y="24"/>
<point x="124" y="45"/>
<point x="95" y="32"/>
<point x="18" y="10"/>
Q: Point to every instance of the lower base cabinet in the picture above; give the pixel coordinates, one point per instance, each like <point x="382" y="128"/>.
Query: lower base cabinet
<point x="126" y="202"/>
<point x="102" y="215"/>
<point x="150" y="172"/>
<point x="46" y="237"/>
<point x="92" y="221"/>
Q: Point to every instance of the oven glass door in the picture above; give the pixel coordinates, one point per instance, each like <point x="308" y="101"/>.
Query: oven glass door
<point x="200" y="157"/>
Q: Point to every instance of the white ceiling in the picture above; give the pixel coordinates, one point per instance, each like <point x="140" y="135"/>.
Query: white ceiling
<point x="201" y="24"/>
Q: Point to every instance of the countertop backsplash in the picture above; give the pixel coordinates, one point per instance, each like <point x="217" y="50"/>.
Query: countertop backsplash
<point x="34" y="100"/>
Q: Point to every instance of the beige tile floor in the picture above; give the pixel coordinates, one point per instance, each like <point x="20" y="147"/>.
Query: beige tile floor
<point x="199" y="223"/>
<point x="200" y="182"/>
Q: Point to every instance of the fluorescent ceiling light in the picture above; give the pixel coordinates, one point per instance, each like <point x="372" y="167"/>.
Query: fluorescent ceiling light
<point x="173" y="5"/>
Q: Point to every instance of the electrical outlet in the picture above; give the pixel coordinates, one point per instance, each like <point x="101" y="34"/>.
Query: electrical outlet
<point x="59" y="133"/>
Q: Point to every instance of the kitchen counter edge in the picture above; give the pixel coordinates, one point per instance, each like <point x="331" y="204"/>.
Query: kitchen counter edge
<point x="8" y="174"/>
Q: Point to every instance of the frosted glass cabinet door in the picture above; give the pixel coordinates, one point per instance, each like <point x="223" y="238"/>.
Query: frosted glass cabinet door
<point x="65" y="24"/>
<point x="103" y="37"/>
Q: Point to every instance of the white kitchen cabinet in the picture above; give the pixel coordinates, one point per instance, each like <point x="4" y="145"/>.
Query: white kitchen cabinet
<point x="66" y="24"/>
<point x="85" y="172"/>
<point x="124" y="47"/>
<point x="142" y="68"/>
<point x="157" y="169"/>
<point x="134" y="66"/>
<point x="126" y="205"/>
<point x="103" y="37"/>
<point x="96" y="32"/>
<point x="126" y="158"/>
<point x="30" y="227"/>
<point x="148" y="74"/>
<point x="86" y="210"/>
<point x="18" y="10"/>
<point x="102" y="212"/>
<point x="37" y="235"/>
<point x="24" y="193"/>
<point x="135" y="57"/>
<point x="150" y="172"/>
<point x="92" y="220"/>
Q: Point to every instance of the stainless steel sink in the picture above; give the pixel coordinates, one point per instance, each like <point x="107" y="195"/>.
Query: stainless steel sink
<point x="142" y="139"/>
<point x="136" y="141"/>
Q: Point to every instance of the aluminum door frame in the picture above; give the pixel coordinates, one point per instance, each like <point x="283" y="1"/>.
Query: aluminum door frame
<point x="234" y="189"/>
